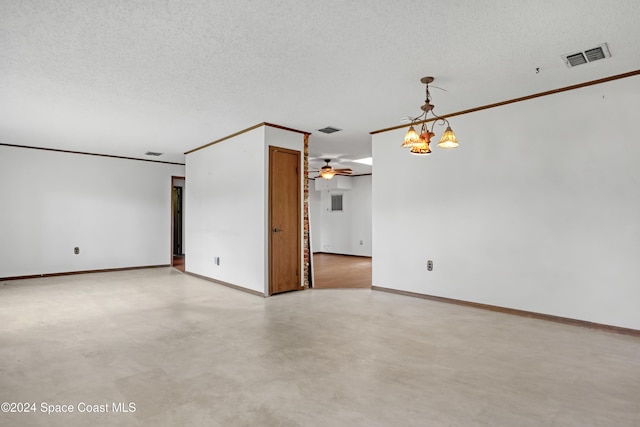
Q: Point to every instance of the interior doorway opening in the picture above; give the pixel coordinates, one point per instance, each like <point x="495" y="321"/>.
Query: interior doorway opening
<point x="340" y="228"/>
<point x="178" y="260"/>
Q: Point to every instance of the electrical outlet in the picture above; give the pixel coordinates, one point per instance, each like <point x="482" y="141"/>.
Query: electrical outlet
<point x="76" y="250"/>
<point x="430" y="265"/>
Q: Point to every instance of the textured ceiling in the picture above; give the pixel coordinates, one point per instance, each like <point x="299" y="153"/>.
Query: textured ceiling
<point x="124" y="77"/>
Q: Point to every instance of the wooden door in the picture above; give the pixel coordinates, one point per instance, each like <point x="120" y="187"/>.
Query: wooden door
<point x="284" y="220"/>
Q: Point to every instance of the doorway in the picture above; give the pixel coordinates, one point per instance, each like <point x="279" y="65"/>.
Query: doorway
<point x="177" y="223"/>
<point x="340" y="228"/>
<point x="285" y="222"/>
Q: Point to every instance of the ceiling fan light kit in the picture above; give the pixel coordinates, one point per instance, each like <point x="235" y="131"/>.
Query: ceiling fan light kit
<point x="419" y="142"/>
<point x="327" y="171"/>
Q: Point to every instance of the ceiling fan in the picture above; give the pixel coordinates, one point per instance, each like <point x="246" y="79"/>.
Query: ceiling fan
<point x="328" y="172"/>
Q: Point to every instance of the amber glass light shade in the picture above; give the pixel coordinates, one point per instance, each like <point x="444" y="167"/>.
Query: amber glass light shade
<point x="448" y="139"/>
<point x="327" y="173"/>
<point x="422" y="146"/>
<point x="426" y="136"/>
<point x="410" y="138"/>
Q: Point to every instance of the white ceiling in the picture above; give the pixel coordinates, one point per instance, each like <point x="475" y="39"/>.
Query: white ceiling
<point x="124" y="77"/>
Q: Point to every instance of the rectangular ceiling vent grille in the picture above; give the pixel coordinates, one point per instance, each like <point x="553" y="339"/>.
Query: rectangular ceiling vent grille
<point x="589" y="55"/>
<point x="153" y="153"/>
<point x="329" y="129"/>
<point x="576" y="59"/>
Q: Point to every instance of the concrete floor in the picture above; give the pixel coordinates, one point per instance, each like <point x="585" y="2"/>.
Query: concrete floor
<point x="189" y="352"/>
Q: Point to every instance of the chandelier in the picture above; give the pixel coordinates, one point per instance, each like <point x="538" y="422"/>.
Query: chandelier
<point x="419" y="142"/>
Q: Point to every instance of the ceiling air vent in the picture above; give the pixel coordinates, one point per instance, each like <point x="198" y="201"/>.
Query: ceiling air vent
<point x="576" y="59"/>
<point x="152" y="153"/>
<point x="329" y="129"/>
<point x="589" y="55"/>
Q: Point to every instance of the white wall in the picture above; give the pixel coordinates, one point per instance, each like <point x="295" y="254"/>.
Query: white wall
<point x="117" y="211"/>
<point x="343" y="232"/>
<point x="538" y="209"/>
<point x="361" y="215"/>
<point x="315" y="218"/>
<point x="227" y="207"/>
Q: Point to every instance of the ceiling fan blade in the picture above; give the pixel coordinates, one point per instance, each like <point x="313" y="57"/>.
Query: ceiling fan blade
<point x="345" y="170"/>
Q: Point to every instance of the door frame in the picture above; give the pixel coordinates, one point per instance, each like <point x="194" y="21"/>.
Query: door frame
<point x="173" y="180"/>
<point x="299" y="196"/>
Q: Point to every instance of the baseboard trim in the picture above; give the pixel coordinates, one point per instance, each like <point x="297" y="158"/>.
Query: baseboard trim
<point x="70" y="273"/>
<point x="515" y="312"/>
<point x="228" y="285"/>
<point x="335" y="253"/>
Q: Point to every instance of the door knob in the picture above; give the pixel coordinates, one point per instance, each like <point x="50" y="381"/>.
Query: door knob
<point x="276" y="229"/>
